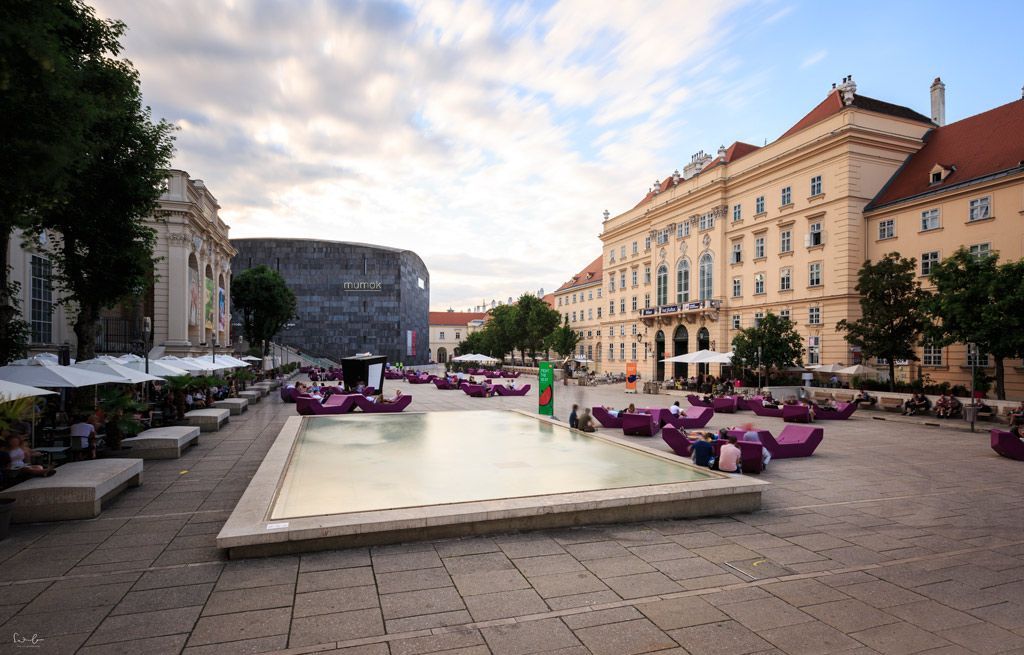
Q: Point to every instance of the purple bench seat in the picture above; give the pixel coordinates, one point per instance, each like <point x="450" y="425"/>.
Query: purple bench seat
<point x="748" y="403"/>
<point x="506" y="391"/>
<point x="725" y="404"/>
<point x="1006" y="444"/>
<point x="761" y="410"/>
<point x="697" y="401"/>
<point x="474" y="390"/>
<point x="842" y="412"/>
<point x="793" y="441"/>
<point x="606" y="419"/>
<point x="750" y="452"/>
<point x="370" y="407"/>
<point x="419" y="379"/>
<point x="287" y="394"/>
<point x="690" y="418"/>
<point x="444" y="384"/>
<point x="335" y="404"/>
<point x="796" y="414"/>
<point x="640" y="424"/>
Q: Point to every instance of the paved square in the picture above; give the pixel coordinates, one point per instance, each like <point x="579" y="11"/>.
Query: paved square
<point x="897" y="538"/>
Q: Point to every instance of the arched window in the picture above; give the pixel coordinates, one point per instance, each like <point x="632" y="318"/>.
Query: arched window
<point x="662" y="290"/>
<point x="683" y="281"/>
<point x="705" y="277"/>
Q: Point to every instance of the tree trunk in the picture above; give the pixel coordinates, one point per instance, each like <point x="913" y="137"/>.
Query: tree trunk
<point x="892" y="374"/>
<point x="85" y="329"/>
<point x="1000" y="388"/>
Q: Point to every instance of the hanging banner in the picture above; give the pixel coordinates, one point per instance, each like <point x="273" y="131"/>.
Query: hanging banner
<point x="546" y="389"/>
<point x="631" y="377"/>
<point x="410" y="343"/>
<point x="195" y="293"/>
<point x="222" y="310"/>
<point x="210" y="291"/>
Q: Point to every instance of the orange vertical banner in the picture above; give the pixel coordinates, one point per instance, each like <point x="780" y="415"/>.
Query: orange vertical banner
<point x="631" y="377"/>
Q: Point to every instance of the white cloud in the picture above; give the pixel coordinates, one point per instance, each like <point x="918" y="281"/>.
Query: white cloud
<point x="813" y="58"/>
<point x="487" y="139"/>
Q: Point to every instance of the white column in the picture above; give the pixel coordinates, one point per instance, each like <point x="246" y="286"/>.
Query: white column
<point x="176" y="287"/>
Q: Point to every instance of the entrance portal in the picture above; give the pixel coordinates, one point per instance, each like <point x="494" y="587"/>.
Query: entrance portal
<point x="659" y="354"/>
<point x="681" y="346"/>
<point x="703" y="343"/>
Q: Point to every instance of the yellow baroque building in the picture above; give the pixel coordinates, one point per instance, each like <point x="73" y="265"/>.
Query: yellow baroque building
<point x="784" y="228"/>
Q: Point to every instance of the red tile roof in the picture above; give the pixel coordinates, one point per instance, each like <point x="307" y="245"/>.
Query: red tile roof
<point x="975" y="147"/>
<point x="737" y="150"/>
<point x="455" y="318"/>
<point x="549" y="298"/>
<point x="592" y="272"/>
<point x="833" y="104"/>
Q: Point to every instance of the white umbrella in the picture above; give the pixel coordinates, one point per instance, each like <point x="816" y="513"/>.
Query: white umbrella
<point x="858" y="369"/>
<point x="48" y="359"/>
<point x="583" y="360"/>
<point x="13" y="391"/>
<point x="232" y="360"/>
<point x="222" y="362"/>
<point x="111" y="366"/>
<point x="473" y="357"/>
<point x="699" y="357"/>
<point x="38" y="374"/>
<point x="718" y="358"/>
<point x="251" y="359"/>
<point x="156" y="367"/>
<point x="185" y="363"/>
<point x="827" y="368"/>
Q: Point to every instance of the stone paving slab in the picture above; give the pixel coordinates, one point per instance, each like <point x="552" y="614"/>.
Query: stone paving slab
<point x="887" y="557"/>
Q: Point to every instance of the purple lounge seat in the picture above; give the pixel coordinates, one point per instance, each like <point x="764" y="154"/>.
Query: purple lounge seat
<point x="842" y="412"/>
<point x="505" y="391"/>
<point x="793" y="441"/>
<point x="287" y="394"/>
<point x="697" y="401"/>
<point x="750" y="452"/>
<point x="420" y="379"/>
<point x="796" y="414"/>
<point x="690" y="418"/>
<point x="443" y="384"/>
<point x="748" y="403"/>
<point x="337" y="404"/>
<point x="724" y="405"/>
<point x="474" y="390"/>
<point x="640" y="424"/>
<point x="1006" y="444"/>
<point x="676" y="440"/>
<point x="605" y="419"/>
<point x="761" y="410"/>
<point x="370" y="407"/>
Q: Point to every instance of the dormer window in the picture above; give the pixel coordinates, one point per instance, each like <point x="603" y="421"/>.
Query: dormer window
<point x="939" y="173"/>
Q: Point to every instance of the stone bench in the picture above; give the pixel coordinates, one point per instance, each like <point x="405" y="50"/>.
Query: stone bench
<point x="234" y="405"/>
<point x="76" y="491"/>
<point x="890" y="404"/>
<point x="207" y="420"/>
<point x="163" y="443"/>
<point x="262" y="390"/>
<point x="270" y="384"/>
<point x="252" y="397"/>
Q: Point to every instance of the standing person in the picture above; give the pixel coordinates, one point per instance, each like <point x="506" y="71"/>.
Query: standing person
<point x="729" y="456"/>
<point x="702" y="451"/>
<point x="574" y="421"/>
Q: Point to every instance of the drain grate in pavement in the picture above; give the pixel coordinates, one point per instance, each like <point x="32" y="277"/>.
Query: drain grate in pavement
<point x="759" y="568"/>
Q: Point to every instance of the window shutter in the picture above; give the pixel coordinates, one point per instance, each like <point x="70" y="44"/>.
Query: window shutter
<point x="807" y="241"/>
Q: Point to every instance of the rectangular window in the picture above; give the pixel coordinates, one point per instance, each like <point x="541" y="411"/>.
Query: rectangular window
<point x="611" y="283"/>
<point x="928" y="259"/>
<point x="574" y="317"/>
<point x="932" y="356"/>
<point x="981" y="250"/>
<point x="930" y="220"/>
<point x="707" y="221"/>
<point x="647" y="243"/>
<point x="634" y="303"/>
<point x="599" y="292"/>
<point x="816" y="185"/>
<point x="636" y="248"/>
<point x="887" y="228"/>
<point x="737" y="253"/>
<point x="814" y="235"/>
<point x="590" y="314"/>
<point x="787" y="196"/>
<point x="647" y="274"/>
<point x="622" y="350"/>
<point x="785" y="279"/>
<point x="735" y="321"/>
<point x="622" y="305"/>
<point x="611" y="257"/>
<point x="590" y="295"/>
<point x="442" y="336"/>
<point x="458" y="336"/>
<point x="813" y="350"/>
<point x="758" y="317"/>
<point x="611" y="308"/>
<point x="737" y="212"/>
<point x="635" y="277"/>
<point x="759" y="205"/>
<point x="599" y="312"/>
<point x="622" y="330"/>
<point x="759" y="284"/>
<point x="632" y="329"/>
<point x="679" y="231"/>
<point x="737" y="287"/>
<point x="632" y="350"/>
<point x="559" y="301"/>
<point x="784" y="314"/>
<point x="622" y="280"/>
<point x="758" y="247"/>
<point x="786" y="241"/>
<point x="814" y="274"/>
<point x="979" y="209"/>
<point x="41" y="294"/>
<point x="814" y="315"/>
<point x="647" y="301"/>
<point x="611" y="352"/>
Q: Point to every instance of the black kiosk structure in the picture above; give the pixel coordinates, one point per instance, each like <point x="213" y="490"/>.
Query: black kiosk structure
<point x="368" y="369"/>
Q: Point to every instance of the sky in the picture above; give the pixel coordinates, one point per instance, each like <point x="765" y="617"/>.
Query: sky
<point x="489" y="137"/>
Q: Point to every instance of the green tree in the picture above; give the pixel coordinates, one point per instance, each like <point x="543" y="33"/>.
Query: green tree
<point x="891" y="316"/>
<point x="104" y="252"/>
<point x="537" y="321"/>
<point x="501" y="330"/>
<point x="265" y="302"/>
<point x="779" y="343"/>
<point x="478" y="343"/>
<point x="46" y="47"/>
<point x="977" y="300"/>
<point x="563" y="340"/>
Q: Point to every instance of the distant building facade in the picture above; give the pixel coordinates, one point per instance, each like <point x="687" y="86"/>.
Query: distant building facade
<point x="581" y="303"/>
<point x="352" y="297"/>
<point x="448" y="329"/>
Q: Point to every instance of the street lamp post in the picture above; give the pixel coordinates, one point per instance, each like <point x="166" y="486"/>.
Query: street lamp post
<point x="972" y="354"/>
<point x="213" y="349"/>
<point x="147" y="330"/>
<point x="759" y="369"/>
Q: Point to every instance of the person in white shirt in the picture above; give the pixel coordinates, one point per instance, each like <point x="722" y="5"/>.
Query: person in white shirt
<point x="83" y="437"/>
<point x="675" y="408"/>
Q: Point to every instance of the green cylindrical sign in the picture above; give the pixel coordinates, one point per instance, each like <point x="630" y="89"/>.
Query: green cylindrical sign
<point x="546" y="389"/>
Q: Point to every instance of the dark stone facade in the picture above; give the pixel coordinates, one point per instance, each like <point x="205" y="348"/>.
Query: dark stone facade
<point x="352" y="297"/>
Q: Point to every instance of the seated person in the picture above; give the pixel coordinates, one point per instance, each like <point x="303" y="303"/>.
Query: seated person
<point x="982" y="410"/>
<point x="1017" y="430"/>
<point x="864" y="398"/>
<point x="675" y="409"/>
<point x="708" y="398"/>
<point x="585" y="422"/>
<point x="750" y="434"/>
<point x="955" y="408"/>
<point x="19" y="457"/>
<point x="360" y="386"/>
<point x="829" y="404"/>
<point x="630" y="410"/>
<point x="612" y="411"/>
<point x="923" y="404"/>
<point x="790" y="400"/>
<point x="83" y="437"/>
<point x="729" y="457"/>
<point x="809" y="404"/>
<point x="1017" y="414"/>
<point x="702" y="452"/>
<point x="942" y="406"/>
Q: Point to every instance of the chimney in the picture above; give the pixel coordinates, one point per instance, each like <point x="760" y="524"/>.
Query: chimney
<point x="938" y="102"/>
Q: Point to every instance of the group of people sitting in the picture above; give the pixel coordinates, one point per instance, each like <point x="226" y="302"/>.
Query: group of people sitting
<point x="323" y="392"/>
<point x="487" y="384"/>
<point x="947" y="406"/>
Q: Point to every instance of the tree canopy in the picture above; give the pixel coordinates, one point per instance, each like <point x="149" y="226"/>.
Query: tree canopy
<point x="977" y="300"/>
<point x="563" y="340"/>
<point x="891" y="316"/>
<point x="265" y="302"/>
<point x="780" y="344"/>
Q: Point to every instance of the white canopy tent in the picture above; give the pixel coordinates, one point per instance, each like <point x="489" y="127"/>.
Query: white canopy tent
<point x="473" y="357"/>
<point x="184" y="363"/>
<point x="701" y="357"/>
<point x="156" y="367"/>
<point x="827" y="368"/>
<point x="52" y="376"/>
<point x="251" y="359"/>
<point x="859" y="369"/>
<point x="222" y="362"/>
<point x="112" y="366"/>
<point x="13" y="391"/>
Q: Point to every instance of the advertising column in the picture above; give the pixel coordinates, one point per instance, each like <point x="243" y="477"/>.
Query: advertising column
<point x="546" y="389"/>
<point x="631" y="377"/>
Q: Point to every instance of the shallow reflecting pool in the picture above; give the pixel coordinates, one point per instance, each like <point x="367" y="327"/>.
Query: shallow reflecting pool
<point x="358" y="463"/>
